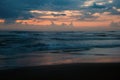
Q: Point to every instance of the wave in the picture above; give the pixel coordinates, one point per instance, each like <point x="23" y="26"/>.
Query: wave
<point x="12" y="42"/>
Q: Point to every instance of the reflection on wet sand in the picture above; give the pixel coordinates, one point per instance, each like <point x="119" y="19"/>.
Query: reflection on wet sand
<point x="54" y="59"/>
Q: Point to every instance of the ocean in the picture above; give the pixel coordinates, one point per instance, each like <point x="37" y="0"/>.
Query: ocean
<point x="35" y="48"/>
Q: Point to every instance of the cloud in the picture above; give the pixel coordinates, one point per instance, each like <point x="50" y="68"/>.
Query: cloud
<point x="58" y="14"/>
<point x="10" y="10"/>
<point x="13" y="9"/>
<point x="19" y="9"/>
<point x="98" y="5"/>
<point x="115" y="11"/>
<point x="116" y="3"/>
<point x="115" y="24"/>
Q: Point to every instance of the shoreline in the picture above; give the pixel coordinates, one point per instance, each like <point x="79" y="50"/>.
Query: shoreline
<point x="64" y="71"/>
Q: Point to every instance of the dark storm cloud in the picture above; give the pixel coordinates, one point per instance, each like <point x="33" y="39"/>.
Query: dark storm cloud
<point x="95" y="5"/>
<point x="13" y="9"/>
<point x="116" y="3"/>
<point x="58" y="14"/>
<point x="105" y="7"/>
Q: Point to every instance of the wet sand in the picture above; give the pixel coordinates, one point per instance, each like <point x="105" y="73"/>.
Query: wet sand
<point x="97" y="71"/>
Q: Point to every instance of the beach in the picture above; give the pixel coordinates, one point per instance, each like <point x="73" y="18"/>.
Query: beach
<point x="96" y="71"/>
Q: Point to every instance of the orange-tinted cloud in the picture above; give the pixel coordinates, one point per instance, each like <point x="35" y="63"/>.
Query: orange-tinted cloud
<point x="34" y="22"/>
<point x="65" y="17"/>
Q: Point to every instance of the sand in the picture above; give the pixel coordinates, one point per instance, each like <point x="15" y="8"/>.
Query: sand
<point x="81" y="71"/>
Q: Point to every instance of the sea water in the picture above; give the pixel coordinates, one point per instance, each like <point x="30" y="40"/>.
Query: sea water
<point x="35" y="48"/>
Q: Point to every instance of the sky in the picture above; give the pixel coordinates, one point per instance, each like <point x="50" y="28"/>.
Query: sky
<point x="59" y="15"/>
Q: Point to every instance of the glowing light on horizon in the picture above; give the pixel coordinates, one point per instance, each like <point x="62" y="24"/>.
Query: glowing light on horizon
<point x="2" y="20"/>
